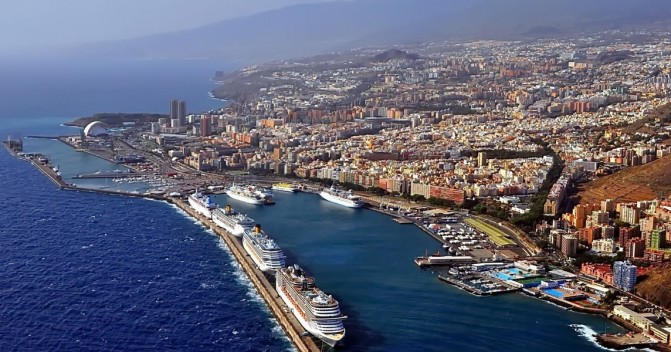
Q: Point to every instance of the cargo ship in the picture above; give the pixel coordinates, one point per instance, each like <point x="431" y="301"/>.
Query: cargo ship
<point x="233" y="222"/>
<point x="285" y="187"/>
<point x="244" y="194"/>
<point x="317" y="312"/>
<point x="202" y="204"/>
<point x="265" y="253"/>
<point x="340" y="197"/>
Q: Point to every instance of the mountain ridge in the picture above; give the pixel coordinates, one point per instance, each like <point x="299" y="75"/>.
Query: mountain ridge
<point x="309" y="29"/>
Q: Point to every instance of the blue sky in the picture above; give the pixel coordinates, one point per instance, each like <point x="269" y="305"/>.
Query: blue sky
<point x="35" y="24"/>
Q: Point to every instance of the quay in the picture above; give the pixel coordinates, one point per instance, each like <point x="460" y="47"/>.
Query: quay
<point x="461" y="285"/>
<point x="478" y="291"/>
<point x="443" y="260"/>
<point x="403" y="220"/>
<point x="264" y="286"/>
<point x="626" y="341"/>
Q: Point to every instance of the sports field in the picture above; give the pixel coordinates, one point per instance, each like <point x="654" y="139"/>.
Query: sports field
<point x="495" y="235"/>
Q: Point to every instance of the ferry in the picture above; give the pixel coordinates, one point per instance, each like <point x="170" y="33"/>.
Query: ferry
<point x="285" y="187"/>
<point x="265" y="253"/>
<point x="340" y="197"/>
<point x="202" y="204"/>
<point x="317" y="312"/>
<point x="266" y="194"/>
<point x="233" y="222"/>
<point x="244" y="194"/>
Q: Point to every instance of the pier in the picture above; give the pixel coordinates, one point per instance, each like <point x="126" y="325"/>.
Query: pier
<point x="264" y="286"/>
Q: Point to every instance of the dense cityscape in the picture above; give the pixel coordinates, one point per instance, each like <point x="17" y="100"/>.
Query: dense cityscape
<point x="517" y="142"/>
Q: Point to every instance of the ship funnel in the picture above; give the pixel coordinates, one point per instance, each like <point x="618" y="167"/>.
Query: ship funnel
<point x="228" y="209"/>
<point x="257" y="228"/>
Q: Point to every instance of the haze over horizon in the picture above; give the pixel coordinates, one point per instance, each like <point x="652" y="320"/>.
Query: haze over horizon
<point x="242" y="32"/>
<point x="31" y="25"/>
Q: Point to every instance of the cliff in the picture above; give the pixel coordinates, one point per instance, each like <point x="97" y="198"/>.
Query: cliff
<point x="655" y="287"/>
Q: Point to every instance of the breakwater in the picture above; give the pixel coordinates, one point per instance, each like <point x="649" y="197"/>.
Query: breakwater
<point x="264" y="285"/>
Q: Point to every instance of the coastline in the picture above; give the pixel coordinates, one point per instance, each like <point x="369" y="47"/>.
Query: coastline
<point x="264" y="287"/>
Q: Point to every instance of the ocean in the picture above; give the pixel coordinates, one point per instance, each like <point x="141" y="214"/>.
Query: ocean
<point x="93" y="272"/>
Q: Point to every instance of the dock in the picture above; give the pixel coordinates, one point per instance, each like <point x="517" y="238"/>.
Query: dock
<point x="625" y="341"/>
<point x="443" y="260"/>
<point x="403" y="220"/>
<point x="264" y="286"/>
<point x="478" y="290"/>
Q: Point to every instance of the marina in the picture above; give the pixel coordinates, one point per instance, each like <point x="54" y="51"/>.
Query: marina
<point x="355" y="340"/>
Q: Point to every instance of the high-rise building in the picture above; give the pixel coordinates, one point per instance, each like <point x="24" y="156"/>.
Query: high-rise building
<point x="605" y="245"/>
<point x="589" y="234"/>
<point x="627" y="233"/>
<point x="630" y="213"/>
<point x="600" y="217"/>
<point x="657" y="238"/>
<point x="181" y="112"/>
<point x="569" y="245"/>
<point x="205" y="126"/>
<point x="624" y="275"/>
<point x="580" y="212"/>
<point x="634" y="248"/>
<point x="173" y="109"/>
<point x="177" y="113"/>
<point x="607" y="205"/>
<point x="482" y="159"/>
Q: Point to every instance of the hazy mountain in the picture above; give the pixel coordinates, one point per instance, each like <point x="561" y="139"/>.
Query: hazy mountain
<point x="314" y="28"/>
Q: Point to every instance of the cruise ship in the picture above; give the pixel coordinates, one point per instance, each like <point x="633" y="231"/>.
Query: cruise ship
<point x="266" y="194"/>
<point x="244" y="194"/>
<point x="265" y="253"/>
<point x="232" y="221"/>
<point x="285" y="187"/>
<point x="344" y="198"/>
<point x="317" y="312"/>
<point x="202" y="204"/>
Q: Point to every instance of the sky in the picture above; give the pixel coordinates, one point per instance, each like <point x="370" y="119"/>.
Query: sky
<point x="35" y="24"/>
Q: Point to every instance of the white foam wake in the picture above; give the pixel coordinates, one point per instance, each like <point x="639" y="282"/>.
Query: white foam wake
<point x="590" y="335"/>
<point x="241" y="277"/>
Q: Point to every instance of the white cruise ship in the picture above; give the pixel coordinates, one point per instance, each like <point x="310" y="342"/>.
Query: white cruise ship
<point x="265" y="253"/>
<point x="202" y="204"/>
<point x="344" y="198"/>
<point x="244" y="194"/>
<point x="265" y="193"/>
<point x="317" y="312"/>
<point x="285" y="187"/>
<point x="232" y="221"/>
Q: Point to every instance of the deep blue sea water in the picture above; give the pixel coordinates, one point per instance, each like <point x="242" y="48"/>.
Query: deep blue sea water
<point x="91" y="272"/>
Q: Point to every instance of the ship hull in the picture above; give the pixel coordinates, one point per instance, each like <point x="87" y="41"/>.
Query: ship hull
<point x="337" y="200"/>
<point x="259" y="263"/>
<point x="304" y="323"/>
<point x="199" y="208"/>
<point x="236" y="230"/>
<point x="284" y="189"/>
<point x="243" y="198"/>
